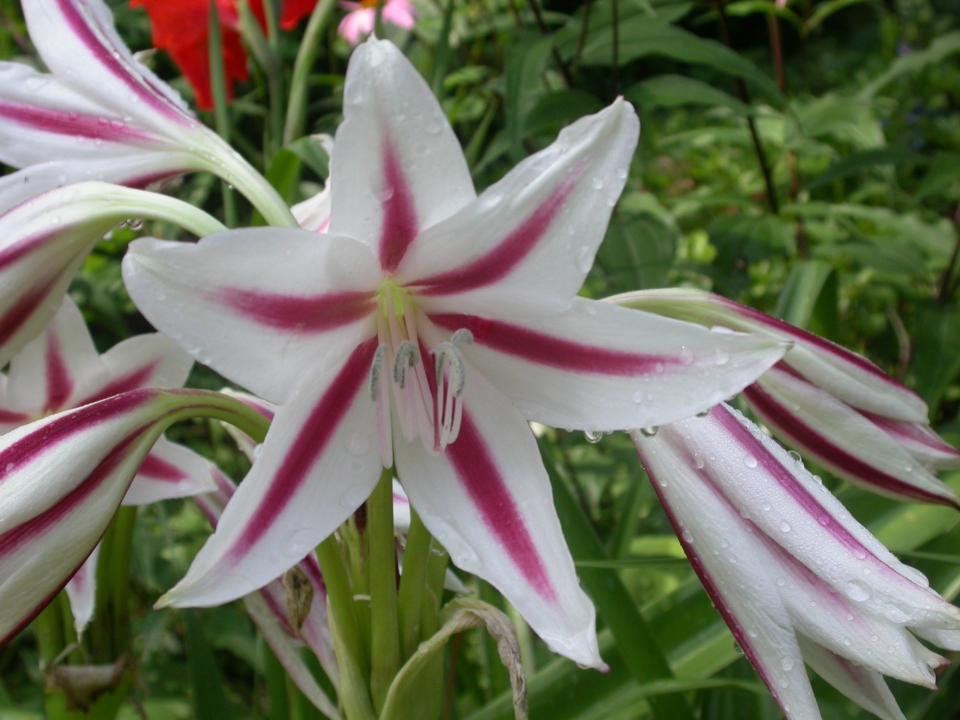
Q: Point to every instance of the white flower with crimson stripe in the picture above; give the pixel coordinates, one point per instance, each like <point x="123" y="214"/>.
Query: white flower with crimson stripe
<point x="427" y="326"/>
<point x="60" y="370"/>
<point x="100" y="114"/>
<point x="830" y="403"/>
<point x="795" y="576"/>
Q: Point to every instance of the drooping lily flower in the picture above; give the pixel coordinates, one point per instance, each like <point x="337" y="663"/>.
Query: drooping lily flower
<point x="272" y="606"/>
<point x="829" y="403"/>
<point x="63" y="477"/>
<point x="43" y="242"/>
<point x="361" y="17"/>
<point x="794" y="576"/>
<point x="99" y="114"/>
<point x="61" y="369"/>
<point x="427" y="327"/>
<point x="181" y="28"/>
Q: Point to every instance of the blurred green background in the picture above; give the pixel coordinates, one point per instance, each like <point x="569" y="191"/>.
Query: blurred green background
<point x="801" y="158"/>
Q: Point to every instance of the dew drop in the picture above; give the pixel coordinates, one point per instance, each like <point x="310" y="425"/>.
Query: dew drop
<point x="787" y="664"/>
<point x="721" y="357"/>
<point x="597" y="183"/>
<point x="638" y="397"/>
<point x="687" y="537"/>
<point x="649" y="431"/>
<point x="856" y="592"/>
<point x="781" y="582"/>
<point x="785" y="526"/>
<point x="750" y="461"/>
<point x="593" y="436"/>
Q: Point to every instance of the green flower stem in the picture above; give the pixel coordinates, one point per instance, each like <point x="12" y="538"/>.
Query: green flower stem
<point x="48" y="629"/>
<point x="218" y="85"/>
<point x="382" y="567"/>
<point x="306" y="55"/>
<point x="121" y="202"/>
<point x="123" y="527"/>
<point x="189" y="404"/>
<point x="274" y="76"/>
<point x="432" y="685"/>
<point x="413" y="583"/>
<point x="350" y="650"/>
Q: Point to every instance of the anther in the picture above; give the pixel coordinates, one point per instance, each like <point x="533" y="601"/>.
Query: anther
<point x="461" y="337"/>
<point x="407" y="356"/>
<point x="448" y="358"/>
<point x="375" y="371"/>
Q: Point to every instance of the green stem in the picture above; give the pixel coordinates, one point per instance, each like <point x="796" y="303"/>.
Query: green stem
<point x="189" y="404"/>
<point x="48" y="629"/>
<point x="221" y="114"/>
<point x="413" y="583"/>
<point x="382" y="567"/>
<point x="122" y="202"/>
<point x="306" y="55"/>
<point x="123" y="526"/>
<point x="350" y="650"/>
<point x="274" y="77"/>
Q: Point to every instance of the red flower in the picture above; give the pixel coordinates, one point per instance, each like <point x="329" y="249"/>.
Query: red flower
<point x="180" y="27"/>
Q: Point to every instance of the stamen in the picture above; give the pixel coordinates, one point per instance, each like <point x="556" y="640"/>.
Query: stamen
<point x="375" y="371"/>
<point x="408" y="354"/>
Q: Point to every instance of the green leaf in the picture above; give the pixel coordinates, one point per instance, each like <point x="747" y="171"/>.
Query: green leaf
<point x="678" y="90"/>
<point x="638" y="252"/>
<point x="555" y="110"/>
<point x="206" y="682"/>
<point x="839" y="118"/>
<point x="825" y="10"/>
<point x="935" y="361"/>
<point x="867" y="159"/>
<point x="915" y="61"/>
<point x="634" y="638"/>
<point x="643" y="36"/>
<point x="405" y="694"/>
<point x="526" y="62"/>
<point x="803" y="292"/>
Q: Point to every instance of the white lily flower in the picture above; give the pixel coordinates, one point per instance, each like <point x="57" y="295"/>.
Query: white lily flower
<point x="795" y="577"/>
<point x="428" y="326"/>
<point x="63" y="477"/>
<point x="828" y="402"/>
<point x="99" y="114"/>
<point x="43" y="242"/>
<point x="61" y="369"/>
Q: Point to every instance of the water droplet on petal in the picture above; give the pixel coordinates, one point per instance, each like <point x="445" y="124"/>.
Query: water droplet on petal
<point x="585" y="258"/>
<point x="750" y="461"/>
<point x="593" y="436"/>
<point x="856" y="592"/>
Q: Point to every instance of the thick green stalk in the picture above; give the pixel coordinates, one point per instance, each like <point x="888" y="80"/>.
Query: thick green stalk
<point x="274" y="76"/>
<point x="350" y="650"/>
<point x="413" y="583"/>
<point x="218" y="85"/>
<point x="123" y="526"/>
<point x="382" y="568"/>
<point x="306" y="54"/>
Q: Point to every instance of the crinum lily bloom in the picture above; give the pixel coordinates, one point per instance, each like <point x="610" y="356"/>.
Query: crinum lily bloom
<point x="99" y="113"/>
<point x="830" y="403"/>
<point x="796" y="578"/>
<point x="60" y="370"/>
<point x="426" y="327"/>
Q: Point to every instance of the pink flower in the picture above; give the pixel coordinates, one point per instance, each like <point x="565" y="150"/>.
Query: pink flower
<point x="359" y="22"/>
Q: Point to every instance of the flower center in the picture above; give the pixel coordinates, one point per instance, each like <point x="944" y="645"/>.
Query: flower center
<point x="428" y="407"/>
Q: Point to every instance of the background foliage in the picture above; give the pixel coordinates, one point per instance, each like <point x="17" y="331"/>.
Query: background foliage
<point x="802" y="158"/>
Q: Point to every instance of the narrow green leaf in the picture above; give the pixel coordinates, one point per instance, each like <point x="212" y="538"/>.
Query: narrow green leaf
<point x="677" y="90"/>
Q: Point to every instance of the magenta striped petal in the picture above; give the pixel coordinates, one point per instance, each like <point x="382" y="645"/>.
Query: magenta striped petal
<point x="831" y="451"/>
<point x="82" y="592"/>
<point x="845" y="374"/>
<point x="552" y="351"/>
<point x="309" y="445"/>
<point x="72" y="124"/>
<point x="170" y="471"/>
<point x="72" y="34"/>
<point x="529" y="240"/>
<point x="316" y="305"/>
<point x="600" y="367"/>
<point x="488" y="500"/>
<point x="399" y="226"/>
<point x="396" y="164"/>
<point x="317" y="465"/>
<point x="920" y="441"/>
<point x="59" y="382"/>
<point x="300" y="314"/>
<point x="500" y="261"/>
